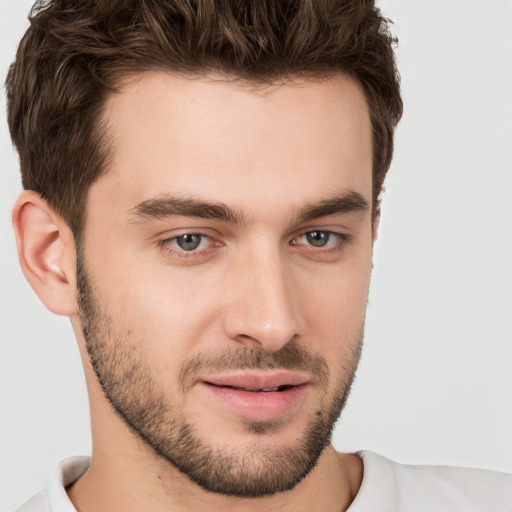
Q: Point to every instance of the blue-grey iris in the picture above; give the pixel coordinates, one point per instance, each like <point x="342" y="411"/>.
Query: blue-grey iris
<point x="188" y="242"/>
<point x="318" y="238"/>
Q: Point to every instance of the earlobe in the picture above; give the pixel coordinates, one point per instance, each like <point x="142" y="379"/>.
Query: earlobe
<point x="46" y="251"/>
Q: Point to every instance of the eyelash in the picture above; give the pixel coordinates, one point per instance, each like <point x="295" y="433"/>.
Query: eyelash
<point x="332" y="247"/>
<point x="182" y="253"/>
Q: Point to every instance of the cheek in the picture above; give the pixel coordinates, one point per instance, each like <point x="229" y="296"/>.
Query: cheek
<point x="334" y="310"/>
<point x="338" y="296"/>
<point x="169" y="314"/>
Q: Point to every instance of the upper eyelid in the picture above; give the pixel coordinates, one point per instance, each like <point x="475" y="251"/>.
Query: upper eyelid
<point x="194" y="233"/>
<point x="340" y="234"/>
<point x="168" y="239"/>
<point x="166" y="236"/>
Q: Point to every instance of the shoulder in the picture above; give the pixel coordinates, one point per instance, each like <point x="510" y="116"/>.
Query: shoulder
<point x="55" y="498"/>
<point x="38" y="503"/>
<point x="432" y="488"/>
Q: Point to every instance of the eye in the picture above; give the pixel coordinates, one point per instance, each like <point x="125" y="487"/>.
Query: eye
<point x="189" y="242"/>
<point x="319" y="239"/>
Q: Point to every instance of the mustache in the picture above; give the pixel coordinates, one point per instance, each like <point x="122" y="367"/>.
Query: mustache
<point x="291" y="357"/>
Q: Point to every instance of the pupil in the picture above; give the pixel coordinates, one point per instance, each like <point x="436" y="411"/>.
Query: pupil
<point x="188" y="242"/>
<point x="318" y="238"/>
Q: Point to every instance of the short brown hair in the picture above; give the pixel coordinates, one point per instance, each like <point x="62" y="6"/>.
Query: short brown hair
<point x="76" y="52"/>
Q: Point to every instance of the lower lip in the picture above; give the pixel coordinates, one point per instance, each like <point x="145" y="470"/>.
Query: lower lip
<point x="257" y="406"/>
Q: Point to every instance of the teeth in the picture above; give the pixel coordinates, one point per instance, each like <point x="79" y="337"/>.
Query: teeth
<point x="266" y="390"/>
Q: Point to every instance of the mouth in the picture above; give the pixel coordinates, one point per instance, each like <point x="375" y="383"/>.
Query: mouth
<point x="283" y="387"/>
<point x="258" y="396"/>
<point x="260" y="380"/>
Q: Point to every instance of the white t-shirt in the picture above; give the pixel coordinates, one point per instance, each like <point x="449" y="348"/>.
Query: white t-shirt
<point x="387" y="487"/>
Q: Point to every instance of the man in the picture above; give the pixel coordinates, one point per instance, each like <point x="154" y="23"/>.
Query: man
<point x="202" y="197"/>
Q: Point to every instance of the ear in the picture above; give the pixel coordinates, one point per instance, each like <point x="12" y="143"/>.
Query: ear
<point x="46" y="250"/>
<point x="375" y="227"/>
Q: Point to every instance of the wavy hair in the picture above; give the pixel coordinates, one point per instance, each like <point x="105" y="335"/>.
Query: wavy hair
<point x="77" y="52"/>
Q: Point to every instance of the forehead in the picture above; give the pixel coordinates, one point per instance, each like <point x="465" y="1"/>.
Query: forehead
<point x="219" y="140"/>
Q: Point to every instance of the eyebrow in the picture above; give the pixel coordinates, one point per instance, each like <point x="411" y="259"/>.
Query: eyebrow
<point x="165" y="206"/>
<point x="169" y="206"/>
<point x="347" y="202"/>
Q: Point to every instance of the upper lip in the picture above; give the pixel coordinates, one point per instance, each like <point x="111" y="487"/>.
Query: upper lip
<point x="254" y="381"/>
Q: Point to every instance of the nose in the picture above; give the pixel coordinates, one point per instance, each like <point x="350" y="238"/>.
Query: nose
<point x="263" y="306"/>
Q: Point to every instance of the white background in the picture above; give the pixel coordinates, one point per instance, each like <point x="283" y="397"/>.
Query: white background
<point x="435" y="382"/>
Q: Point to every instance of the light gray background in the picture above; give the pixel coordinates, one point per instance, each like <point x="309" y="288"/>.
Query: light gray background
<point x="435" y="382"/>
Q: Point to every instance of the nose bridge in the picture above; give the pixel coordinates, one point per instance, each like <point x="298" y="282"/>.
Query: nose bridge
<point x="264" y="308"/>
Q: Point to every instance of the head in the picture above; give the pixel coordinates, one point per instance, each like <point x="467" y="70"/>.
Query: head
<point x="213" y="173"/>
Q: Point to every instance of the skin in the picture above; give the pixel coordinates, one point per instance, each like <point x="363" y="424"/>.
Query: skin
<point x="265" y="153"/>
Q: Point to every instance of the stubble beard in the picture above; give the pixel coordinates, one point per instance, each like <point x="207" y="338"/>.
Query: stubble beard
<point x="126" y="379"/>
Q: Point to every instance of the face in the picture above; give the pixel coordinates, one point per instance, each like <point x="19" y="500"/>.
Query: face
<point x="224" y="271"/>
